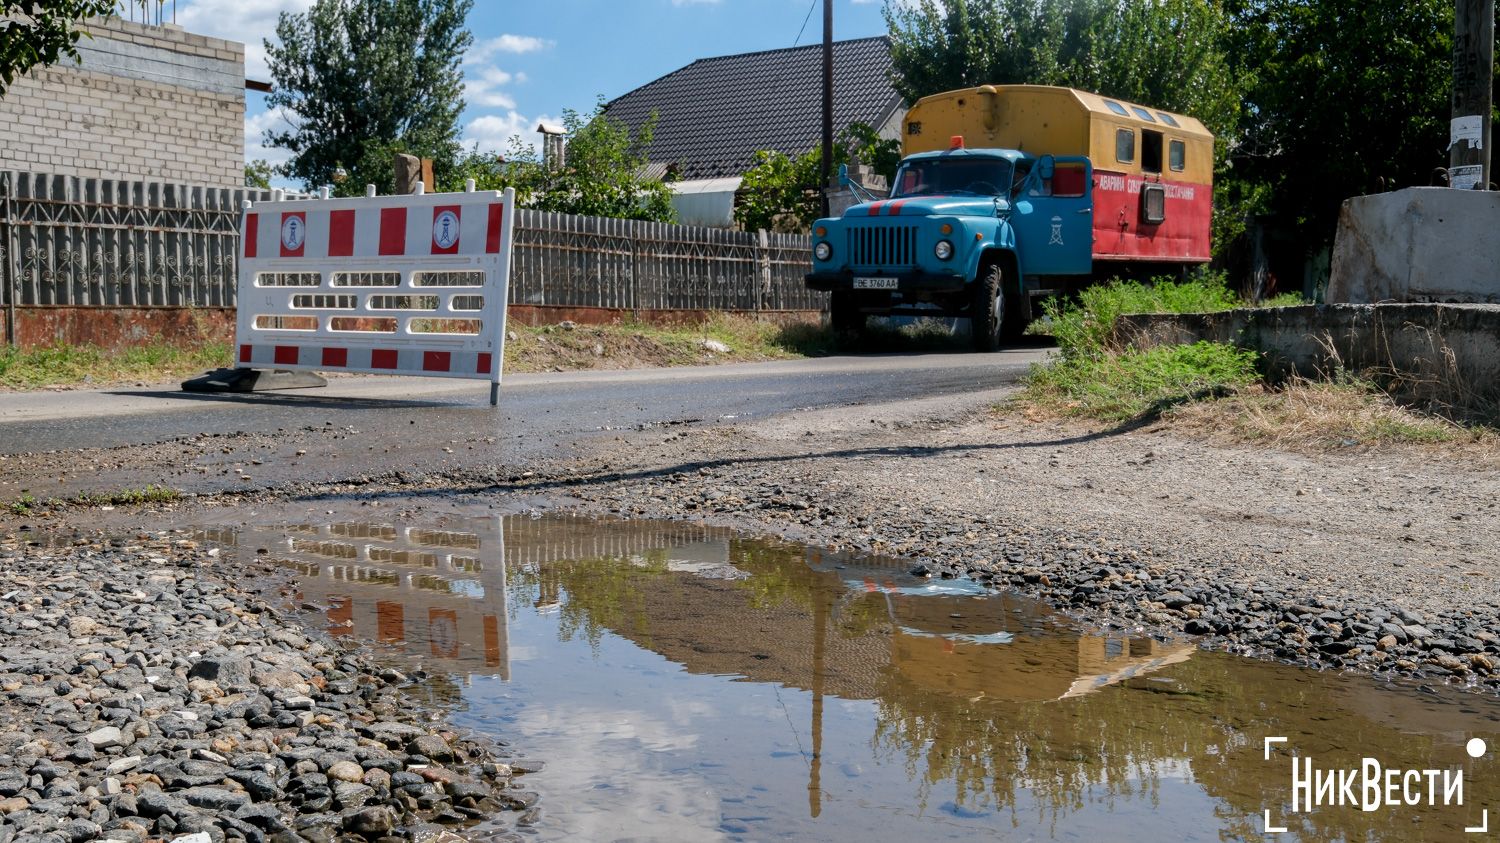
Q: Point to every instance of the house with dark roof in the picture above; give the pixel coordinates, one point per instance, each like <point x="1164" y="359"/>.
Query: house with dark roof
<point x="716" y="113"/>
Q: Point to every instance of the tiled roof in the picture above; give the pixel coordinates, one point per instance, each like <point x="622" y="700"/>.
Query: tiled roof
<point x="714" y="114"/>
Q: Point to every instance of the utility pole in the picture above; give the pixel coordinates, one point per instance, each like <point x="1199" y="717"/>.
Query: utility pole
<point x="1473" y="77"/>
<point x="828" y="99"/>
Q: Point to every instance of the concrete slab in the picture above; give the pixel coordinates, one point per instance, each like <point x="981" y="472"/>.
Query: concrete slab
<point x="1422" y="244"/>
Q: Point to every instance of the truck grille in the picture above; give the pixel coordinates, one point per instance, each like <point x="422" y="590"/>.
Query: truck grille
<point x="883" y="246"/>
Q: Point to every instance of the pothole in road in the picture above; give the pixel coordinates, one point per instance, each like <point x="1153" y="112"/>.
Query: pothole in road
<point x="689" y="683"/>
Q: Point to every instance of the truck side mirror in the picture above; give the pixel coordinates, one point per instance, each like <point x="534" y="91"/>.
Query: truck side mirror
<point x="843" y="175"/>
<point x="1046" y="167"/>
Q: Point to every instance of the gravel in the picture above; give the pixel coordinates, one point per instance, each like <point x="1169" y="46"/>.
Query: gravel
<point x="143" y="696"/>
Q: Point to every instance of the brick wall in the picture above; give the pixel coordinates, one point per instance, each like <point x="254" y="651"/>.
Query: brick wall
<point x="148" y="102"/>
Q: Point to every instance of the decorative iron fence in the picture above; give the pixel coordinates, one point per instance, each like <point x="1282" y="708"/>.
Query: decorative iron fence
<point x="86" y="242"/>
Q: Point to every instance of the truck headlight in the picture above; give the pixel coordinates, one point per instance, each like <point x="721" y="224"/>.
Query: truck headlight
<point x="943" y="250"/>
<point x="823" y="251"/>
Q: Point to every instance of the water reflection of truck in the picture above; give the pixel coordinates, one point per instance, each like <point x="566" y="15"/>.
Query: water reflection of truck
<point x="1009" y="193"/>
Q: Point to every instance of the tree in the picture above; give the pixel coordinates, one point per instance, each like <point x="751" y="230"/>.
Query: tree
<point x="39" y="32"/>
<point x="604" y="174"/>
<point x="1165" y="53"/>
<point x="782" y="193"/>
<point x="365" y="79"/>
<point x="1345" y="97"/>
<point x="258" y="174"/>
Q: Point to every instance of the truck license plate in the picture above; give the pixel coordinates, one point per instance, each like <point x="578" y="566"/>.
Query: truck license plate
<point x="875" y="283"/>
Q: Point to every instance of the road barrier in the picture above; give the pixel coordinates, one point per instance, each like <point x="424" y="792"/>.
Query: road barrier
<point x="408" y="285"/>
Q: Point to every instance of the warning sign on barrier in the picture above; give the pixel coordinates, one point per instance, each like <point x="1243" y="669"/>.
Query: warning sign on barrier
<point x="408" y="285"/>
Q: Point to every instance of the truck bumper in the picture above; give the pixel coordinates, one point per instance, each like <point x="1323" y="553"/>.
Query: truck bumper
<point x="906" y="282"/>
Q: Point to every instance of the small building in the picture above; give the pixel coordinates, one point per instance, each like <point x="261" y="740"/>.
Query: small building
<point x="149" y="102"/>
<point x="716" y="113"/>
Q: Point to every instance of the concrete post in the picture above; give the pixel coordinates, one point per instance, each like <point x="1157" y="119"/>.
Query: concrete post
<point x="408" y="173"/>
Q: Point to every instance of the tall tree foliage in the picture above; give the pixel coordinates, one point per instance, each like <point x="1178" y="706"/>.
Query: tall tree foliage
<point x="1168" y="53"/>
<point x="39" y="32"/>
<point x="1345" y="97"/>
<point x="365" y="79"/>
<point x="604" y="173"/>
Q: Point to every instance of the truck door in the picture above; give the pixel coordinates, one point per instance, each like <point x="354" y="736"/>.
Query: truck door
<point x="1054" y="217"/>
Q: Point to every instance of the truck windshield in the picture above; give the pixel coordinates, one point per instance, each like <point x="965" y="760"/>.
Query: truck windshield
<point x="968" y="176"/>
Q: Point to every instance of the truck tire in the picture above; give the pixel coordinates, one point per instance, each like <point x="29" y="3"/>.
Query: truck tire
<point x="987" y="322"/>
<point x="844" y="316"/>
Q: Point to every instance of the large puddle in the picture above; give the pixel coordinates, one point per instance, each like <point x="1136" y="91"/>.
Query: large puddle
<point x="685" y="683"/>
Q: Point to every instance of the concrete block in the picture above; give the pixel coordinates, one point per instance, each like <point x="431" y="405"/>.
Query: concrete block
<point x="1422" y="244"/>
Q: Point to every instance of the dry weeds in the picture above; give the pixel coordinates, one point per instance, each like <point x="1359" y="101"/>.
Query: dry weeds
<point x="1322" y="416"/>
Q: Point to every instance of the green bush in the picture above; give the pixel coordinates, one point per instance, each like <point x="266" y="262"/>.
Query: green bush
<point x="1084" y="327"/>
<point x="1134" y="383"/>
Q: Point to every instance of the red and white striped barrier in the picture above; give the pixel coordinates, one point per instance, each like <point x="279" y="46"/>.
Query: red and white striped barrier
<point x="393" y="285"/>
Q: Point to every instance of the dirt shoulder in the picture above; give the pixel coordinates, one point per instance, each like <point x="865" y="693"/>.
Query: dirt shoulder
<point x="1382" y="560"/>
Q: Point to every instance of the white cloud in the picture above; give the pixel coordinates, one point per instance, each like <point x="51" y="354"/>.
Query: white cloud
<point x="255" y="128"/>
<point x="481" y="88"/>
<point x="245" y="21"/>
<point x="492" y="132"/>
<point x="507" y="43"/>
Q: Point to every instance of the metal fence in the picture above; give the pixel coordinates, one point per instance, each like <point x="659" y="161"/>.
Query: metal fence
<point x="88" y="242"/>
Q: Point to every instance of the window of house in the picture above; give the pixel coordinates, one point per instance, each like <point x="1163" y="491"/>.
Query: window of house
<point x="1177" y="155"/>
<point x="1116" y="108"/>
<point x="1168" y="119"/>
<point x="1125" y="146"/>
<point x="1143" y="114"/>
<point x="1151" y="143"/>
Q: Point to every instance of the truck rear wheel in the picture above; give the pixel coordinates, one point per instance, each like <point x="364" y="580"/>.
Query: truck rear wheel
<point x="844" y="315"/>
<point x="987" y="309"/>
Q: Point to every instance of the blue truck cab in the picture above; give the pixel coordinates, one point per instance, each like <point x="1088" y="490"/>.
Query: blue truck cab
<point x="972" y="233"/>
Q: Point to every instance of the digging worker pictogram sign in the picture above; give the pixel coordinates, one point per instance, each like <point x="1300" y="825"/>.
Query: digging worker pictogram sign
<point x="411" y="285"/>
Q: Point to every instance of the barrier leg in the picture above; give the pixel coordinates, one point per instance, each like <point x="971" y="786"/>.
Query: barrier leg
<point x="251" y="380"/>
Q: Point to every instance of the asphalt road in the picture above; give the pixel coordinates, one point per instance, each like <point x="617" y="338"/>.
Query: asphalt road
<point x="373" y="424"/>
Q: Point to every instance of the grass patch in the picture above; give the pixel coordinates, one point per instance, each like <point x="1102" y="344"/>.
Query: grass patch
<point x="23" y="504"/>
<point x="1132" y="383"/>
<point x="28" y="502"/>
<point x="74" y="365"/>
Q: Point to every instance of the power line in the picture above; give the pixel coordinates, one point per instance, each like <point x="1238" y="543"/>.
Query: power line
<point x="810" y="8"/>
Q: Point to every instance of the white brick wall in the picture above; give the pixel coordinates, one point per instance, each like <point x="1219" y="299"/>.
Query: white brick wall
<point x="112" y="123"/>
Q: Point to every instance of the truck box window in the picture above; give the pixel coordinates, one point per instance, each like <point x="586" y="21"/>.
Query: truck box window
<point x="1151" y="151"/>
<point x="1178" y="154"/>
<point x="1125" y="146"/>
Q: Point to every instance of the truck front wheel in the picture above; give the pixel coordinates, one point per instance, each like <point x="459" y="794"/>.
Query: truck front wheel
<point x="987" y="309"/>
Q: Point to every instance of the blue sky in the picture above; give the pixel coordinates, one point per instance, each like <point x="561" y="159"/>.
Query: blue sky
<point x="530" y="60"/>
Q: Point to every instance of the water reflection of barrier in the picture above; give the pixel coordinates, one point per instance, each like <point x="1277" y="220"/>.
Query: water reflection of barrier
<point x="438" y="593"/>
<point x="441" y="592"/>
